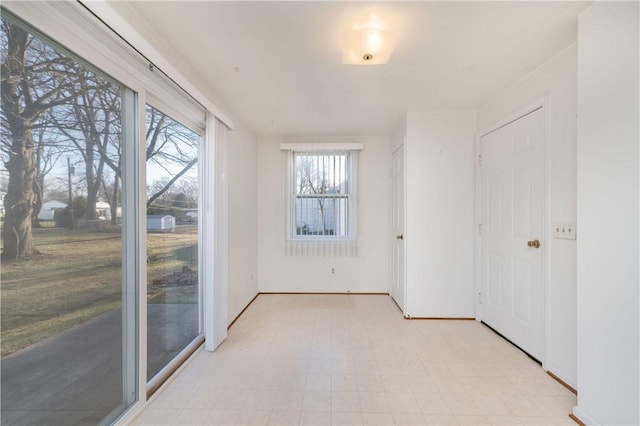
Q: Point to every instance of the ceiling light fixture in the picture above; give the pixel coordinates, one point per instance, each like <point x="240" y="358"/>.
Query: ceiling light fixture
<point x="368" y="43"/>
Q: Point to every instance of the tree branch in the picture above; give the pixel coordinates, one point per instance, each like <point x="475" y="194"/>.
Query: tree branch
<point x="171" y="182"/>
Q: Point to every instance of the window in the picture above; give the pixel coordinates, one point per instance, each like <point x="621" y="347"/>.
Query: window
<point x="322" y="194"/>
<point x="321" y="197"/>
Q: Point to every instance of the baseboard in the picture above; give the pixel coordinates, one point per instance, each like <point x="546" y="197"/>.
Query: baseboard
<point x="242" y="311"/>
<point x="561" y="375"/>
<point x="562" y="382"/>
<point x="577" y="420"/>
<point x="581" y="417"/>
<point x="296" y="293"/>
<point x="345" y="293"/>
<point x="410" y="318"/>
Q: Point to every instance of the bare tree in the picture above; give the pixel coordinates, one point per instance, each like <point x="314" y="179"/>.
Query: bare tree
<point x="169" y="145"/>
<point x="92" y="125"/>
<point x="47" y="153"/>
<point x="312" y="180"/>
<point x="171" y="181"/>
<point x="112" y="194"/>
<point x="35" y="79"/>
<point x="188" y="187"/>
<point x="52" y="105"/>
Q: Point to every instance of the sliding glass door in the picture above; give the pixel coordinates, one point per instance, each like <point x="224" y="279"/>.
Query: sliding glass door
<point x="68" y="324"/>
<point x="98" y="161"/>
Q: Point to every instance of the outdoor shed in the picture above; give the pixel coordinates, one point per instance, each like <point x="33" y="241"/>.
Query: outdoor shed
<point x="161" y="223"/>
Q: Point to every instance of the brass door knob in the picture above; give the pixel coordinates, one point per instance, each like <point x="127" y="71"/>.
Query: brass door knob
<point x="400" y="237"/>
<point x="534" y="243"/>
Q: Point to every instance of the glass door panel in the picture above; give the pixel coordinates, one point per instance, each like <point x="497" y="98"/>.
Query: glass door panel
<point x="173" y="289"/>
<point x="61" y="278"/>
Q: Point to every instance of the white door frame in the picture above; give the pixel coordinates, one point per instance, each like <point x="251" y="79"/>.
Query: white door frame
<point x="546" y="234"/>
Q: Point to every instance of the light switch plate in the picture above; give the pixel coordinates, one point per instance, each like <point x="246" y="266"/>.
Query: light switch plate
<point x="564" y="230"/>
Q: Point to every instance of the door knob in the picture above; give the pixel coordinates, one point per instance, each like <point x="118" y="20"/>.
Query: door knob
<point x="534" y="243"/>
<point x="400" y="237"/>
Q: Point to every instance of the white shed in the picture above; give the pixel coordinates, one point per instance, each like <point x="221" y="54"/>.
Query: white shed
<point x="161" y="223"/>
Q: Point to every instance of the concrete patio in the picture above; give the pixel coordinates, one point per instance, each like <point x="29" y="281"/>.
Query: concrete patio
<point x="81" y="381"/>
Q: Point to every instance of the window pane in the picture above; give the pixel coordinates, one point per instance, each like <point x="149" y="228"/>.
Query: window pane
<point x="172" y="239"/>
<point x="322" y="198"/>
<point x="321" y="174"/>
<point x="62" y="253"/>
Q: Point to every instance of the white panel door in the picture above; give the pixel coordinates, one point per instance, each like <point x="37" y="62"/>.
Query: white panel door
<point x="397" y="218"/>
<point x="511" y="232"/>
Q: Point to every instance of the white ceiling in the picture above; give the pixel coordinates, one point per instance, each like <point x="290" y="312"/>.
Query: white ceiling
<point x="278" y="64"/>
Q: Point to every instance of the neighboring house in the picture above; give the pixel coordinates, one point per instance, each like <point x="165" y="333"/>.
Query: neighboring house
<point x="161" y="223"/>
<point x="309" y="216"/>
<point x="49" y="208"/>
<point x="103" y="210"/>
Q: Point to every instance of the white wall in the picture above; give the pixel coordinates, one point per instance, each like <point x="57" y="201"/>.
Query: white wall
<point x="242" y="166"/>
<point x="608" y="214"/>
<point x="556" y="82"/>
<point x="369" y="271"/>
<point x="439" y="229"/>
<point x="398" y="136"/>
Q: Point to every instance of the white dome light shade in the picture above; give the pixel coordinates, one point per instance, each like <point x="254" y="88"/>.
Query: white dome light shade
<point x="367" y="46"/>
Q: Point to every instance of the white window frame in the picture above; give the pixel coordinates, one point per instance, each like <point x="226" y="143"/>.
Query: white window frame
<point x="350" y="196"/>
<point x="325" y="245"/>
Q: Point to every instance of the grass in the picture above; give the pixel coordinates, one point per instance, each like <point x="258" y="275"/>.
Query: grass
<point x="78" y="276"/>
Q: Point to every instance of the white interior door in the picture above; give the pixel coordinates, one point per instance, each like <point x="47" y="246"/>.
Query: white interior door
<point x="397" y="218"/>
<point x="511" y="232"/>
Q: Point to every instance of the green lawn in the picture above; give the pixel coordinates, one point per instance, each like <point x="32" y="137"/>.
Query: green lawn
<point x="78" y="276"/>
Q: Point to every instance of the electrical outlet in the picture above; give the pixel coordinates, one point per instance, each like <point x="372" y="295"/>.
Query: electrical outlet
<point x="564" y="230"/>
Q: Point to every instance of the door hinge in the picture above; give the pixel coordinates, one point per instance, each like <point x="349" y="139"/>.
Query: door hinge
<point x="479" y="160"/>
<point x="480" y="298"/>
<point x="479" y="229"/>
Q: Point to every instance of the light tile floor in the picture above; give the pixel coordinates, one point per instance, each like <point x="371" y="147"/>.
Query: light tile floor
<point x="353" y="360"/>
